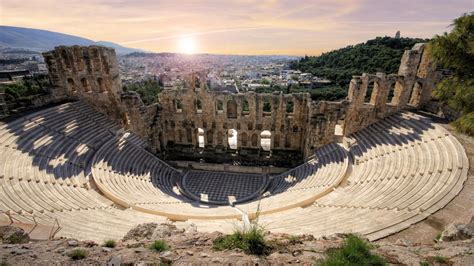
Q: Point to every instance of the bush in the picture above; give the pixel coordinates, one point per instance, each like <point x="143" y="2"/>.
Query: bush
<point x="440" y="259"/>
<point x="465" y="124"/>
<point x="251" y="241"/>
<point x="159" y="245"/>
<point x="110" y="243"/>
<point x="355" y="251"/>
<point x="77" y="254"/>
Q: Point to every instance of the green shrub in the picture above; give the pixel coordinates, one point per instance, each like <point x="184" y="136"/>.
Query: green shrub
<point x="354" y="251"/>
<point x="440" y="259"/>
<point x="424" y="263"/>
<point x="159" y="245"/>
<point x="77" y="254"/>
<point x="251" y="241"/>
<point x="110" y="243"/>
<point x="465" y="124"/>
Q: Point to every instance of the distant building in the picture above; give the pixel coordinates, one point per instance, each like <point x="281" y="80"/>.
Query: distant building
<point x="397" y="35"/>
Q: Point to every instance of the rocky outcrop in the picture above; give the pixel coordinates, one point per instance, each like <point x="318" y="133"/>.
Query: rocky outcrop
<point x="458" y="231"/>
<point x="13" y="235"/>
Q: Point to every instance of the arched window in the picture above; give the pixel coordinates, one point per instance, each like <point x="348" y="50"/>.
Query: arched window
<point x="289" y="107"/>
<point x="266" y="140"/>
<point x="416" y="94"/>
<point x="254" y="140"/>
<point x="178" y="105"/>
<point x="287" y="141"/>
<point x="368" y="93"/>
<point x="220" y="106"/>
<point x="245" y="107"/>
<point x="391" y="92"/>
<point x="231" y="109"/>
<point x="198" y="106"/>
<point x="276" y="141"/>
<point x="85" y="85"/>
<point x="101" y="84"/>
<point x="179" y="138"/>
<point x="267" y="106"/>
<point x="220" y="138"/>
<point x="200" y="138"/>
<point x="232" y="138"/>
<point x="210" y="137"/>
<point x="71" y="85"/>
<point x="244" y="139"/>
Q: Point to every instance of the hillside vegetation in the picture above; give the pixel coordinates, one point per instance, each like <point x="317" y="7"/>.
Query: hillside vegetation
<point x="455" y="51"/>
<point x="381" y="54"/>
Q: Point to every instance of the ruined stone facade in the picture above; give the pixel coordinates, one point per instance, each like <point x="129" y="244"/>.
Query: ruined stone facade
<point x="87" y="73"/>
<point x="196" y="123"/>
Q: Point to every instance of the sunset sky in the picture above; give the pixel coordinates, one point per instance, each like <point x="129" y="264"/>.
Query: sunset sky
<point x="237" y="27"/>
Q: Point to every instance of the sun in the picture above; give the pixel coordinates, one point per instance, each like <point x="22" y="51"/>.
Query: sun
<point x="187" y="45"/>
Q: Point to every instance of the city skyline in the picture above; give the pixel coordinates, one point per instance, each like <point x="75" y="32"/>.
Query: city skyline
<point x="236" y="27"/>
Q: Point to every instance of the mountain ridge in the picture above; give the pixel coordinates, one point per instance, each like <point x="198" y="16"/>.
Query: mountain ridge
<point x="44" y="40"/>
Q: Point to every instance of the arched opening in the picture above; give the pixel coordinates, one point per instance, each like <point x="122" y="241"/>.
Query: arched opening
<point x="391" y="92"/>
<point x="198" y="106"/>
<point x="245" y="107"/>
<point x="200" y="138"/>
<point x="210" y="137"/>
<point x="232" y="138"/>
<point x="254" y="140"/>
<point x="276" y="141"/>
<point x="287" y="141"/>
<point x="85" y="85"/>
<point x="101" y="84"/>
<point x="189" y="135"/>
<point x="179" y="135"/>
<point x="231" y="109"/>
<point x="244" y="139"/>
<point x="220" y="138"/>
<point x="71" y="85"/>
<point x="368" y="93"/>
<point x="416" y="94"/>
<point x="220" y="106"/>
<point x="178" y="105"/>
<point x="266" y="140"/>
<point x="289" y="107"/>
<point x="267" y="107"/>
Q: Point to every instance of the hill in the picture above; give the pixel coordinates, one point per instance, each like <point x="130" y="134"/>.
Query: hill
<point x="43" y="40"/>
<point x="381" y="54"/>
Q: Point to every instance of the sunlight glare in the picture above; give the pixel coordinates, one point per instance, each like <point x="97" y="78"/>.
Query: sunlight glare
<point x="187" y="45"/>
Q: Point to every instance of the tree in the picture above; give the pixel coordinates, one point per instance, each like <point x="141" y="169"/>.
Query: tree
<point x="455" y="51"/>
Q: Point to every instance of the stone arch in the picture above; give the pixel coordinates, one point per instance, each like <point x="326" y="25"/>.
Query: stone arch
<point x="85" y="85"/>
<point x="370" y="89"/>
<point x="231" y="109"/>
<point x="416" y="93"/>
<point x="244" y="139"/>
<point x="287" y="141"/>
<point x="200" y="137"/>
<point x="199" y="105"/>
<point x="232" y="138"/>
<point x="102" y="87"/>
<point x="179" y="135"/>
<point x="266" y="140"/>
<point x="245" y="107"/>
<point x="276" y="141"/>
<point x="255" y="140"/>
<point x="391" y="92"/>
<point x="220" y="138"/>
<point x="71" y="85"/>
<point x="210" y="137"/>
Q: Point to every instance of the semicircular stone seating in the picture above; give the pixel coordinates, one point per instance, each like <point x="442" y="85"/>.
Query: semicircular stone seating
<point x="72" y="164"/>
<point x="405" y="168"/>
<point x="42" y="162"/>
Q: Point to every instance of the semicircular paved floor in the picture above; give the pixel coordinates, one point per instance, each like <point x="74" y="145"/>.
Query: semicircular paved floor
<point x="225" y="187"/>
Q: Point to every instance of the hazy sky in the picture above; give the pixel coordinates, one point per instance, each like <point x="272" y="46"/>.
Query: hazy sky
<point x="237" y="27"/>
